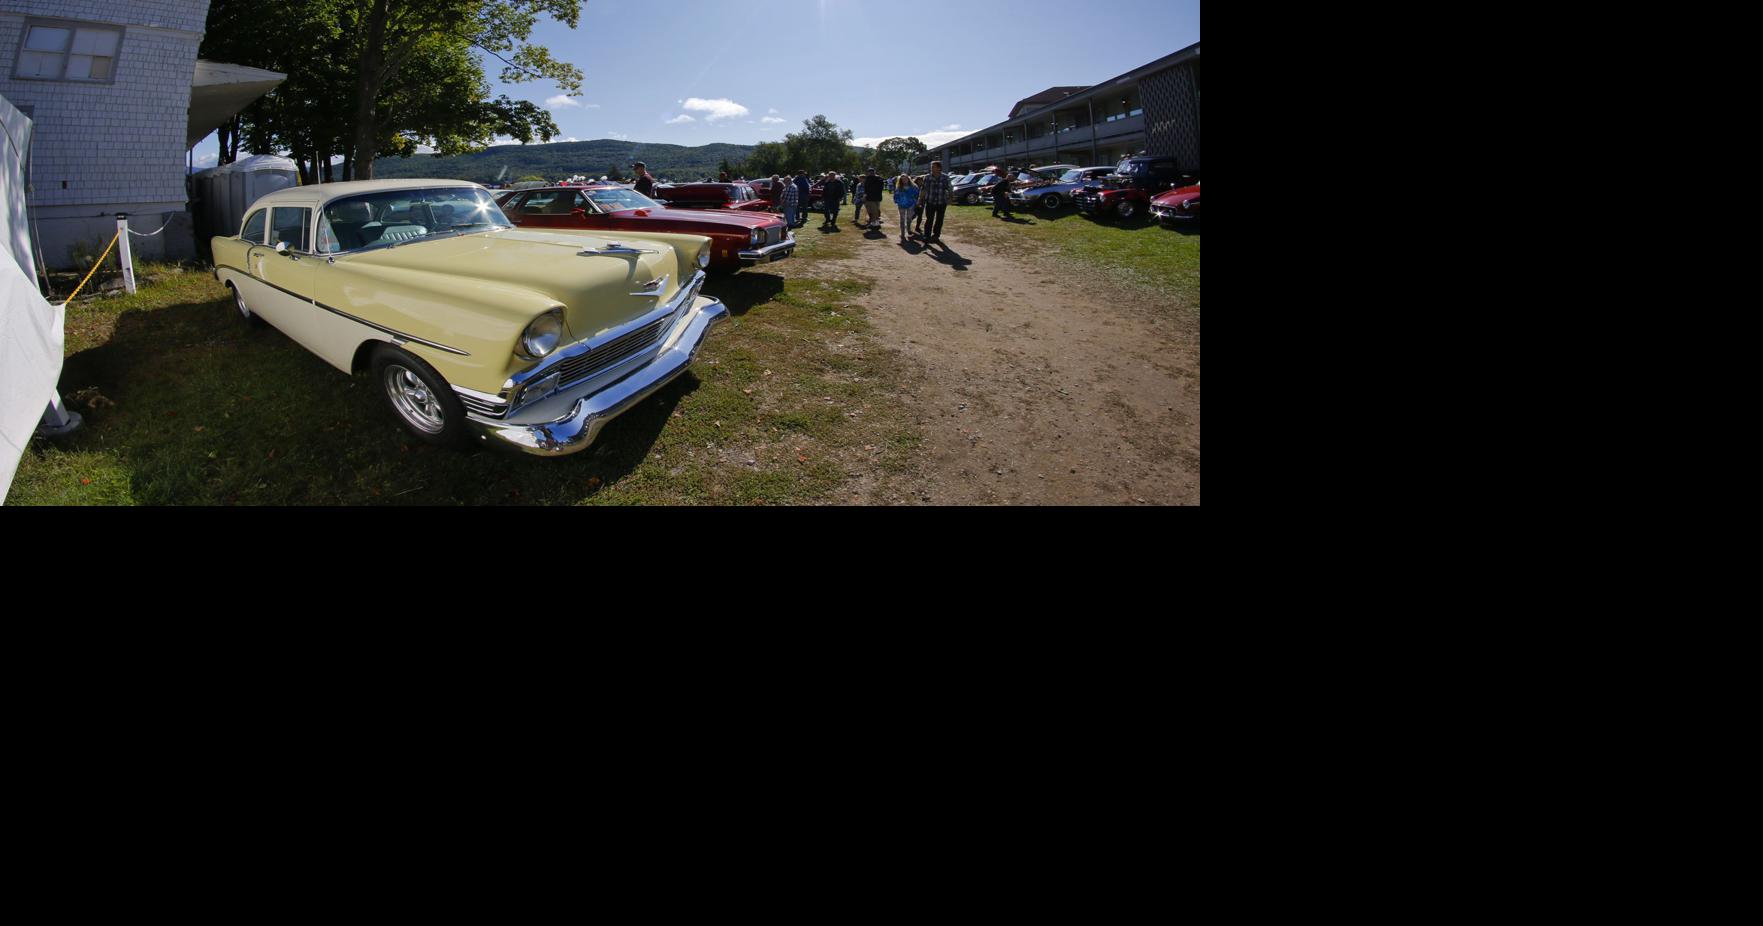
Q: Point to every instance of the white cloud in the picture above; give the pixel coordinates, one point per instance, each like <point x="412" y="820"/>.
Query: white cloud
<point x="619" y="136"/>
<point x="772" y="120"/>
<point x="208" y="160"/>
<point x="560" y="101"/>
<point x="556" y="141"/>
<point x="680" y="119"/>
<point x="952" y="127"/>
<point x="772" y="111"/>
<point x="930" y="139"/>
<point x="502" y="140"/>
<point x="716" y="109"/>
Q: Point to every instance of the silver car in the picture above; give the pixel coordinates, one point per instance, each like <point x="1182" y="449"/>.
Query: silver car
<point x="1058" y="193"/>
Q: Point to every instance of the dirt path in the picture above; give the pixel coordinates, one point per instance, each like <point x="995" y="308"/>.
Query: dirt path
<point x="1034" y="388"/>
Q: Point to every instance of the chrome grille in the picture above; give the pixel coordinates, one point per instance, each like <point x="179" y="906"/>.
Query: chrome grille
<point x="613" y="352"/>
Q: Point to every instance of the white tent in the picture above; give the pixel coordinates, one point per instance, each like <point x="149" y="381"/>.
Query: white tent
<point x="30" y="328"/>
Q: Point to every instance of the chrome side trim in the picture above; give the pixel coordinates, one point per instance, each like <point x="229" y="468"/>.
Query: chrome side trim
<point x="400" y="337"/>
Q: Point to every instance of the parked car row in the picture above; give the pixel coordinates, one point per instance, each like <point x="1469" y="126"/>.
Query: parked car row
<point x="1132" y="189"/>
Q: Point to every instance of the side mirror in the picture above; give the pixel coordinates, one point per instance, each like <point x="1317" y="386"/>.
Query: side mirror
<point x="281" y="247"/>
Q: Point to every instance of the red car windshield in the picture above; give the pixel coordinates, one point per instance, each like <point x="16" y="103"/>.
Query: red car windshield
<point x="620" y="200"/>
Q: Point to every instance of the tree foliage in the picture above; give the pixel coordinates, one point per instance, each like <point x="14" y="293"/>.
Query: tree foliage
<point x="371" y="78"/>
<point x="899" y="153"/>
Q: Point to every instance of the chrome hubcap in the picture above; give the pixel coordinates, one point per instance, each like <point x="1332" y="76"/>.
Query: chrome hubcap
<point x="239" y="298"/>
<point x="413" y="400"/>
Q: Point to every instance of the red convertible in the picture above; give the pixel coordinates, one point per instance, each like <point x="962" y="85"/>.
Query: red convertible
<point x="737" y="239"/>
<point x="737" y="196"/>
<point x="1178" y="207"/>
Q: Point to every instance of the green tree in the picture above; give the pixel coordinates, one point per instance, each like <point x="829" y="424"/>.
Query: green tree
<point x="898" y="154"/>
<point x="820" y="146"/>
<point x="380" y="77"/>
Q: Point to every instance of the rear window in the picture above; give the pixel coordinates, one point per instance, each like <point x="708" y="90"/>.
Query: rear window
<point x="254" y="227"/>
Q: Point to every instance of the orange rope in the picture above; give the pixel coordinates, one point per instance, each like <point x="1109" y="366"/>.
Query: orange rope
<point x="100" y="263"/>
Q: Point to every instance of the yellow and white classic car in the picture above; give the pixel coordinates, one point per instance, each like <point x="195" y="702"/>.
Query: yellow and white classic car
<point x="470" y="326"/>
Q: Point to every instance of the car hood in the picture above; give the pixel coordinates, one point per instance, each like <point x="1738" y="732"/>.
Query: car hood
<point x="719" y="220"/>
<point x="515" y="270"/>
<point x="1175" y="196"/>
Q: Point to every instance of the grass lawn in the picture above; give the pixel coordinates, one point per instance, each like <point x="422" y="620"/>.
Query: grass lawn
<point x="1141" y="254"/>
<point x="185" y="404"/>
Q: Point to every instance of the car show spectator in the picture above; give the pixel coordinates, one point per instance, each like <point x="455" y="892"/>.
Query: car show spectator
<point x="805" y="187"/>
<point x="906" y="200"/>
<point x="832" y="197"/>
<point x="645" y="183"/>
<point x="934" y="201"/>
<point x="791" y="201"/>
<point x="872" y="198"/>
<point x="1001" y="194"/>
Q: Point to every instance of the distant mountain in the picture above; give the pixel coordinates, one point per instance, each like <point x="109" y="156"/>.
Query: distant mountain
<point x="564" y="159"/>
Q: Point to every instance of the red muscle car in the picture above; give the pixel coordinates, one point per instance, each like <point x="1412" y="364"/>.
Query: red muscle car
<point x="1126" y="194"/>
<point x="737" y="196"/>
<point x="737" y="239"/>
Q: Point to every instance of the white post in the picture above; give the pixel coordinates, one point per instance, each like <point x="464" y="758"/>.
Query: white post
<point x="58" y="420"/>
<point x="123" y="253"/>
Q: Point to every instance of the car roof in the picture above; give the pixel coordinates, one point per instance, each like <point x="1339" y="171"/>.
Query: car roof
<point x="321" y="193"/>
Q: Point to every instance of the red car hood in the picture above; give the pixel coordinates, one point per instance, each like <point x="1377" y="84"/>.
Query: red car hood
<point x="1175" y="196"/>
<point x="723" y="220"/>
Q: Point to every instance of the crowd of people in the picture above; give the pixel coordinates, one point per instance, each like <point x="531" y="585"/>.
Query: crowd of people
<point x="922" y="201"/>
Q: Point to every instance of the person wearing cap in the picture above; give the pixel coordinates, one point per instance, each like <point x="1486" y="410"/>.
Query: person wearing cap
<point x="790" y="198"/>
<point x="832" y="197"/>
<point x="805" y="189"/>
<point x="872" y="198"/>
<point x="645" y="183"/>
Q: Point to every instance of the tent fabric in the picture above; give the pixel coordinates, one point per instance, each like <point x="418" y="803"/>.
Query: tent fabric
<point x="30" y="328"/>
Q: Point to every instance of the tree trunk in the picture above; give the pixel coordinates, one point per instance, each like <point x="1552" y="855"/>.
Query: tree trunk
<point x="370" y="77"/>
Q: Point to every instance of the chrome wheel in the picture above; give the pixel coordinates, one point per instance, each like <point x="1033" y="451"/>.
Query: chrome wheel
<point x="239" y="300"/>
<point x="1127" y="209"/>
<point x="413" y="400"/>
<point x="1050" y="201"/>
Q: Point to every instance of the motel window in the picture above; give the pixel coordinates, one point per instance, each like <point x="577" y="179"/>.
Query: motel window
<point x="54" y="50"/>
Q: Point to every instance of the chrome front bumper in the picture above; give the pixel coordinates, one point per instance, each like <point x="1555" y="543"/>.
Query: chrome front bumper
<point x="591" y="406"/>
<point x="766" y="255"/>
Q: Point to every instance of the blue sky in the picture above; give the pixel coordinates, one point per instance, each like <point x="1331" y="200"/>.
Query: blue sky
<point x="694" y="72"/>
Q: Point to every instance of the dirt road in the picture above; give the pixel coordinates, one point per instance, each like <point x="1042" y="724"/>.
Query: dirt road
<point x="1035" y="383"/>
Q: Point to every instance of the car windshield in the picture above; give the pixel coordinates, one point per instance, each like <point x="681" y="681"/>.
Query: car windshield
<point x="1072" y="176"/>
<point x="620" y="200"/>
<point x="401" y="216"/>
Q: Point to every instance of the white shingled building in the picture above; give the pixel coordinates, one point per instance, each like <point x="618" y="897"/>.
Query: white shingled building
<point x="118" y="98"/>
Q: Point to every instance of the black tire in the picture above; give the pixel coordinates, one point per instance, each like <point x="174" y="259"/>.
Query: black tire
<point x="437" y="417"/>
<point x="968" y="199"/>
<point x="252" y="319"/>
<point x="1127" y="210"/>
<point x="1050" y="202"/>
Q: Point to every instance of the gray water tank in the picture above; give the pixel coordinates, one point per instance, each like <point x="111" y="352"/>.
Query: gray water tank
<point x="219" y="196"/>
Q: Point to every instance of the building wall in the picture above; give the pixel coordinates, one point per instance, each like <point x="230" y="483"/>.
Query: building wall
<point x="117" y="147"/>
<point x="1169" y="127"/>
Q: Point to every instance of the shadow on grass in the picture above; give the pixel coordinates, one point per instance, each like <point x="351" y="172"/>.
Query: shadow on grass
<point x="742" y="291"/>
<point x="203" y="410"/>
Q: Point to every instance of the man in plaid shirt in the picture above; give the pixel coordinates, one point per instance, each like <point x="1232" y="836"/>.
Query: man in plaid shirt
<point x="933" y="199"/>
<point x="792" y="199"/>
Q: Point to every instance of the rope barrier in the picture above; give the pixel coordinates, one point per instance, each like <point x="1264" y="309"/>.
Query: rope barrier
<point x="152" y="233"/>
<point x="100" y="263"/>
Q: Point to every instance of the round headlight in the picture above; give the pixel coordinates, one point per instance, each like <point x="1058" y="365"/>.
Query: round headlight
<point x="704" y="256"/>
<point x="542" y="336"/>
<point x="757" y="235"/>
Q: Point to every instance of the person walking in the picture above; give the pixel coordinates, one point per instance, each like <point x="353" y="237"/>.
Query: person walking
<point x="832" y="196"/>
<point x="933" y="198"/>
<point x="645" y="183"/>
<point x="1001" y="195"/>
<point x="905" y="200"/>
<point x="791" y="199"/>
<point x="805" y="195"/>
<point x="872" y="198"/>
